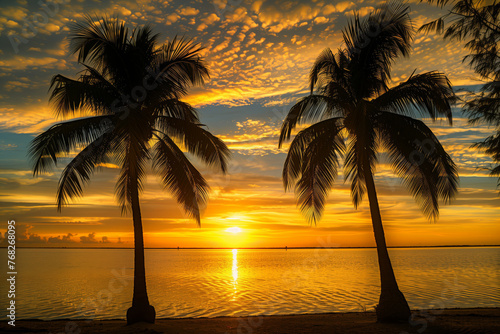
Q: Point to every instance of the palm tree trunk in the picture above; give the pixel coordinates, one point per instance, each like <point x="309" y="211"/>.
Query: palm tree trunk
<point x="140" y="311"/>
<point x="392" y="304"/>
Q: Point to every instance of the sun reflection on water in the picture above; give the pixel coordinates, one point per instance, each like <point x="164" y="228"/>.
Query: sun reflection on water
<point x="235" y="273"/>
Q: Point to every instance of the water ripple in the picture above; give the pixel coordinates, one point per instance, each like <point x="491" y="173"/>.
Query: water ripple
<point x="69" y="283"/>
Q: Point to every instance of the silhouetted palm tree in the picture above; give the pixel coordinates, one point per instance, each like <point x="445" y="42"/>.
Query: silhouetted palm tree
<point x="131" y="88"/>
<point x="355" y="104"/>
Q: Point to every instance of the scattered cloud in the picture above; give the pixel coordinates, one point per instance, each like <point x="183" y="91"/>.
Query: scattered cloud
<point x="187" y="11"/>
<point x="24" y="63"/>
<point x="361" y="11"/>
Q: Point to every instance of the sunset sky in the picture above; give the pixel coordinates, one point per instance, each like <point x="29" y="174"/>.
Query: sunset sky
<point x="259" y="54"/>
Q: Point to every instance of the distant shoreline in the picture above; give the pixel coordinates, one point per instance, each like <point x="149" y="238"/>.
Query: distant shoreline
<point x="288" y="248"/>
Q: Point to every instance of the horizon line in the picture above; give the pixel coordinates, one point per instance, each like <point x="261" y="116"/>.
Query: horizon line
<point x="285" y="247"/>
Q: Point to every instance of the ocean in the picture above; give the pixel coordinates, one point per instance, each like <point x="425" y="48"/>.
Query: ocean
<point x="97" y="283"/>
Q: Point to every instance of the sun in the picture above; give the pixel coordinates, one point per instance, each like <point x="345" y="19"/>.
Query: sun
<point x="234" y="230"/>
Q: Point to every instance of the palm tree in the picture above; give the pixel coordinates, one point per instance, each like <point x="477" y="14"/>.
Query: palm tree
<point x="354" y="105"/>
<point x="130" y="89"/>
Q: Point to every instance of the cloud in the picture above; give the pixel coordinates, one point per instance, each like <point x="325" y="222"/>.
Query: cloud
<point x="237" y="15"/>
<point x="91" y="239"/>
<point x="337" y="8"/>
<point x="4" y="147"/>
<point x="202" y="27"/>
<point x="222" y="45"/>
<point x="320" y="20"/>
<point x="282" y="15"/>
<point x="361" y="11"/>
<point x="108" y="165"/>
<point x="253" y="137"/>
<point x="256" y="5"/>
<point x="23" y="63"/>
<point x="220" y="4"/>
<point x="15" y="13"/>
<point x="23" y="234"/>
<point x="26" y="119"/>
<point x="61" y="239"/>
<point x="50" y="27"/>
<point x="172" y="18"/>
<point x="188" y="11"/>
<point x="17" y="85"/>
<point x="210" y="19"/>
<point x="123" y="11"/>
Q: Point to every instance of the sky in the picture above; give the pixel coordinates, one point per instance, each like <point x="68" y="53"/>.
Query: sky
<point x="259" y="54"/>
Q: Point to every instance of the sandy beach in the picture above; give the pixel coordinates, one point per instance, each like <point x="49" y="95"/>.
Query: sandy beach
<point x="475" y="321"/>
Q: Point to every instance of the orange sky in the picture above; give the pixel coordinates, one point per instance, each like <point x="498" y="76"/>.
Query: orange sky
<point x="259" y="54"/>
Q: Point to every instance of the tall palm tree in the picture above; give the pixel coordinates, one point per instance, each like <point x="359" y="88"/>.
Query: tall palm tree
<point x="130" y="89"/>
<point x="355" y="105"/>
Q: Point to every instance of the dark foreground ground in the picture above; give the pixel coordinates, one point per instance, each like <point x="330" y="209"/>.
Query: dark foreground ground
<point x="464" y="321"/>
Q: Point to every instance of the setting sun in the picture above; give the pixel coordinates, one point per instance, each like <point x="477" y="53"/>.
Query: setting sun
<point x="234" y="230"/>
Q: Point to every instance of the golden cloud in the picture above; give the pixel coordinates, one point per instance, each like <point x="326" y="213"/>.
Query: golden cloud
<point x="188" y="11"/>
<point x="22" y="63"/>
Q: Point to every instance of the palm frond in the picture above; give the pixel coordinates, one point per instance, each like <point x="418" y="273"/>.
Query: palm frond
<point x="197" y="140"/>
<point x="429" y="93"/>
<point x="330" y="75"/>
<point x="179" y="65"/>
<point x="307" y="109"/>
<point x="61" y="138"/>
<point x="294" y="161"/>
<point x="144" y="42"/>
<point x="436" y="26"/>
<point x="325" y="63"/>
<point x="100" y="42"/>
<point x="180" y="177"/>
<point x="92" y="92"/>
<point x="330" y="68"/>
<point x="374" y="44"/>
<point x="176" y="109"/>
<point x="418" y="157"/>
<point x="80" y="169"/>
<point x="312" y="164"/>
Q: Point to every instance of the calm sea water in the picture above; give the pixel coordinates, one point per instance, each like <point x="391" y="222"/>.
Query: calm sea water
<point x="96" y="283"/>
